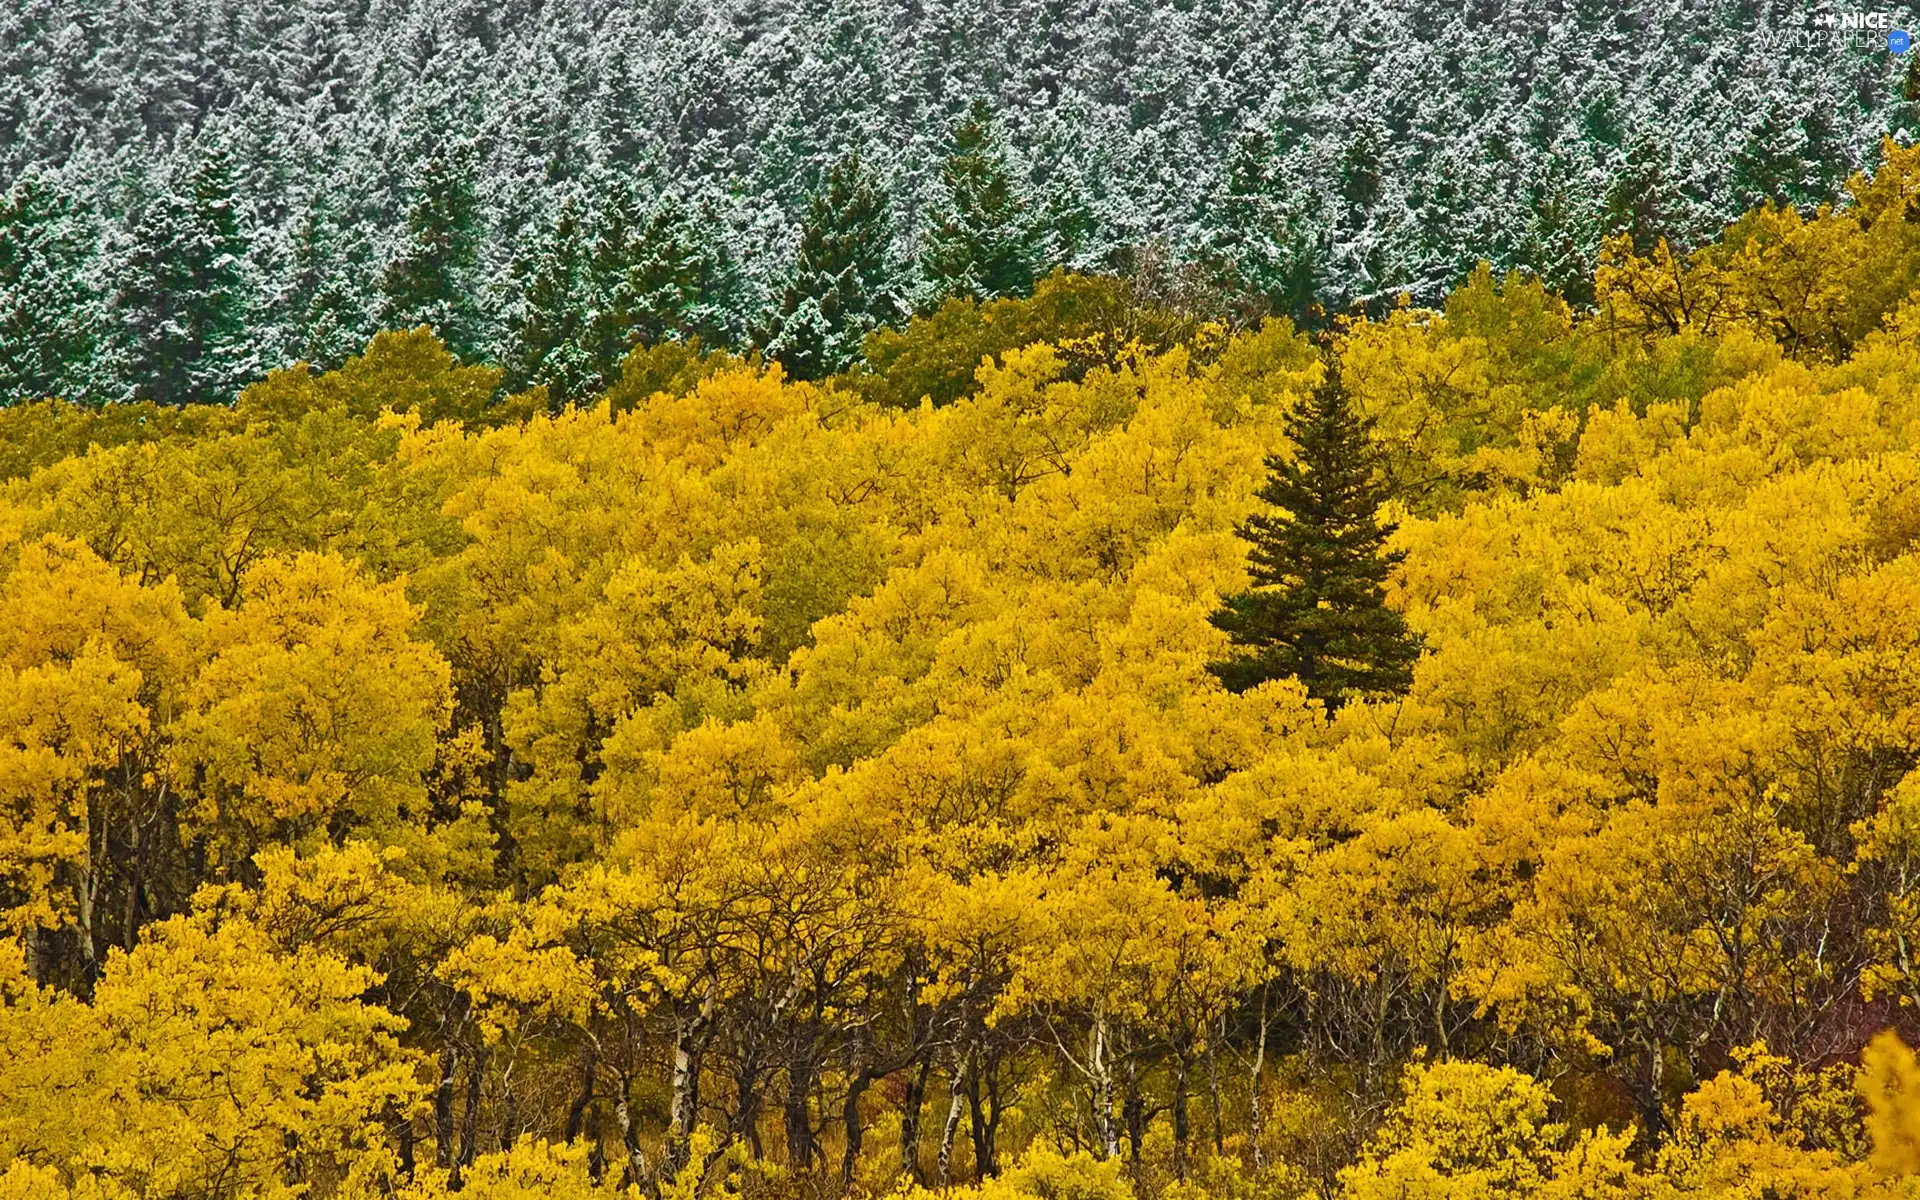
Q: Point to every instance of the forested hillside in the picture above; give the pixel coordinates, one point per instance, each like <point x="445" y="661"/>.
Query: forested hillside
<point x="200" y="191"/>
<point x="1026" y="761"/>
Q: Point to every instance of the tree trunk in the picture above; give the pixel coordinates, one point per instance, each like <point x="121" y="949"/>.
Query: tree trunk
<point x="403" y="1132"/>
<point x="979" y="1124"/>
<point x="911" y="1106"/>
<point x="799" y="1117"/>
<point x="995" y="1110"/>
<point x="1101" y="1070"/>
<point x="510" y="1121"/>
<point x="1258" y="1123"/>
<point x="36" y="964"/>
<point x="596" y="1133"/>
<point x="957" y="1098"/>
<point x="1135" y="1111"/>
<point x="1654" y="1091"/>
<point x="470" y="1116"/>
<point x="1213" y="1092"/>
<point x="130" y="910"/>
<point x="746" y="1116"/>
<point x="1377" y="1059"/>
<point x="636" y="1170"/>
<point x="83" y="898"/>
<point x="469" y="1122"/>
<point x="1180" y="1122"/>
<point x="577" y="1111"/>
<point x="443" y="1109"/>
<point x="857" y="1086"/>
<point x="689" y="1044"/>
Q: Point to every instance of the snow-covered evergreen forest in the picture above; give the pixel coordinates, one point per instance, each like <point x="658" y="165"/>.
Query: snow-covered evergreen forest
<point x="198" y="191"/>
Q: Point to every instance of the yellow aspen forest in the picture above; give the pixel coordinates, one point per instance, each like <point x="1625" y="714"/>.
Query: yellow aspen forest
<point x="728" y="786"/>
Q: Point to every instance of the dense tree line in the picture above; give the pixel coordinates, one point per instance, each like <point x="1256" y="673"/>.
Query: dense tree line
<point x="200" y="191"/>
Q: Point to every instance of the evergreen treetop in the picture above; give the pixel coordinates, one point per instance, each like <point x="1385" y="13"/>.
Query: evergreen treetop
<point x="179" y="304"/>
<point x="839" y="291"/>
<point x="983" y="242"/>
<point x="430" y="280"/>
<point x="46" y="335"/>
<point x="1317" y="609"/>
<point x="550" y="343"/>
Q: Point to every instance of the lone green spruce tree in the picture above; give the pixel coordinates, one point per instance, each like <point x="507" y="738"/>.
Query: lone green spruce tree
<point x="1317" y="610"/>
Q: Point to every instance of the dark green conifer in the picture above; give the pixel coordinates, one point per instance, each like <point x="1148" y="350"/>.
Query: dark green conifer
<point x="307" y="307"/>
<point x="549" y="344"/>
<point x="655" y="276"/>
<point x="840" y="290"/>
<point x="1259" y="251"/>
<point x="1770" y="166"/>
<point x="1317" y="610"/>
<point x="180" y="304"/>
<point x="982" y="242"/>
<point x="1637" y="200"/>
<point x="430" y="281"/>
<point x="46" y="337"/>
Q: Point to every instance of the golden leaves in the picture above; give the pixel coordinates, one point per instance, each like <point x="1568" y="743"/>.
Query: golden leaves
<point x="316" y="703"/>
<point x="203" y="1054"/>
